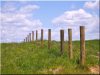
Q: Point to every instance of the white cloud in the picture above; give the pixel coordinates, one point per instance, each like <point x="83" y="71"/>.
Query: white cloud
<point x="75" y="18"/>
<point x="17" y="23"/>
<point x="92" y="4"/>
<point x="28" y="8"/>
<point x="70" y="17"/>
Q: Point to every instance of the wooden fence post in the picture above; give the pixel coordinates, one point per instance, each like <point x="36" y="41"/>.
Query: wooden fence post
<point x="32" y="35"/>
<point x="41" y="37"/>
<point x="62" y="40"/>
<point x="70" y="43"/>
<point x="49" y="38"/>
<point x="26" y="39"/>
<point x="36" y="35"/>
<point x="82" y="45"/>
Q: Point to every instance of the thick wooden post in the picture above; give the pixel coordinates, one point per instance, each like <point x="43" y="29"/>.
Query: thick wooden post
<point x="70" y="43"/>
<point x="41" y="37"/>
<point x="32" y="35"/>
<point x="36" y="35"/>
<point x="27" y="38"/>
<point x="82" y="45"/>
<point x="62" y="40"/>
<point x="49" y="38"/>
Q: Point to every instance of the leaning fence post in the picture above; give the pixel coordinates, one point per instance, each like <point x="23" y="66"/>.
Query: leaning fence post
<point x="41" y="37"/>
<point x="70" y="43"/>
<point x="49" y="38"/>
<point x="62" y="40"/>
<point x="82" y="45"/>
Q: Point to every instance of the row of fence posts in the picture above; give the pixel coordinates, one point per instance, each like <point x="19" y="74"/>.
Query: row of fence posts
<point x="30" y="38"/>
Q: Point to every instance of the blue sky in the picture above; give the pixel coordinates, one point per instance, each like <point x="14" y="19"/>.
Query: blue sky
<point x="19" y="18"/>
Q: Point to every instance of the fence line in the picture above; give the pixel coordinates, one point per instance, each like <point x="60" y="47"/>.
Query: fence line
<point x="70" y="51"/>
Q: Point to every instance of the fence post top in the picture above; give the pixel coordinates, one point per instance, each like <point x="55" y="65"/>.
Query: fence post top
<point x="82" y="26"/>
<point x="61" y="30"/>
<point x="69" y="29"/>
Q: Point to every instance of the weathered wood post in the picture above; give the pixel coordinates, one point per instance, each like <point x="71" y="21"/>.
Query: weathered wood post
<point x="26" y="39"/>
<point x="62" y="40"/>
<point x="41" y="37"/>
<point x="82" y="45"/>
<point x="36" y="35"/>
<point x="29" y="37"/>
<point x="49" y="38"/>
<point x="70" y="43"/>
<point x="32" y="35"/>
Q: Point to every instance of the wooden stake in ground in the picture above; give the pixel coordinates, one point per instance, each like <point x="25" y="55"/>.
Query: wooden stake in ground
<point x="62" y="40"/>
<point x="82" y="45"/>
<point x="32" y="35"/>
<point x="26" y="39"/>
<point x="49" y="38"/>
<point x="70" y="43"/>
<point x="36" y="35"/>
<point x="41" y="37"/>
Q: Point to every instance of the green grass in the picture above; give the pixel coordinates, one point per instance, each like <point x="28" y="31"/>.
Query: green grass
<point x="30" y="58"/>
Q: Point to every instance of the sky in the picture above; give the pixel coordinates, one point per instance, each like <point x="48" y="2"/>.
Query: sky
<point x="19" y="18"/>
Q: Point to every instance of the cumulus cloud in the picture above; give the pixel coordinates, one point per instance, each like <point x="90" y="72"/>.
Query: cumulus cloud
<point x="92" y="4"/>
<point x="17" y="22"/>
<point x="75" y="18"/>
<point x="28" y="8"/>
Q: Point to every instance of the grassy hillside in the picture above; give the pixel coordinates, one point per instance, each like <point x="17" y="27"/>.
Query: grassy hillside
<point x="30" y="58"/>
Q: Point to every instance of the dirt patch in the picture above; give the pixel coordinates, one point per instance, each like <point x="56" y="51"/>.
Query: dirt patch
<point x="95" y="69"/>
<point x="57" y="70"/>
<point x="53" y="70"/>
<point x="98" y="54"/>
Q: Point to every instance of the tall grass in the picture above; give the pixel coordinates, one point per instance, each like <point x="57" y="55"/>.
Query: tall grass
<point x="30" y="58"/>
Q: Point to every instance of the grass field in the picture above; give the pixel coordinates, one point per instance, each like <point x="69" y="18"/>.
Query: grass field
<point x="30" y="58"/>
